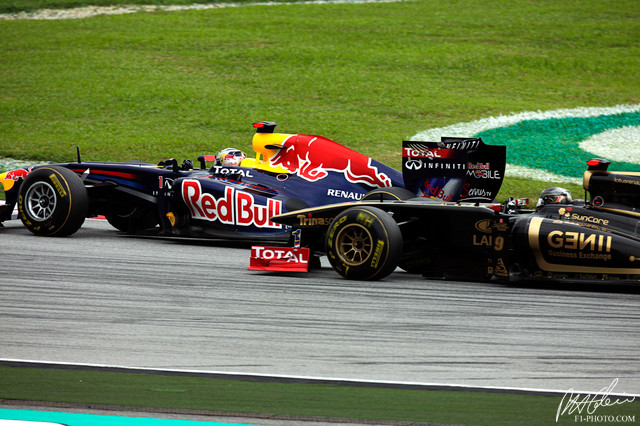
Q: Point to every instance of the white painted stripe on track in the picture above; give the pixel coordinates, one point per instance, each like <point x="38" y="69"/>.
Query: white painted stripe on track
<point x="306" y="379"/>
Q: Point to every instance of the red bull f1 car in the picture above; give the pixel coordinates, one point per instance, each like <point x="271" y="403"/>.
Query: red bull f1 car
<point x="213" y="199"/>
<point x="454" y="230"/>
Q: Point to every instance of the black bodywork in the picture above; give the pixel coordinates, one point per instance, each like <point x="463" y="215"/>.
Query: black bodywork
<point x="593" y="239"/>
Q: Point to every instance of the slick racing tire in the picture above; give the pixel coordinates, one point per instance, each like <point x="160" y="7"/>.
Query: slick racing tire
<point x="364" y="243"/>
<point x="52" y="202"/>
<point x="393" y="193"/>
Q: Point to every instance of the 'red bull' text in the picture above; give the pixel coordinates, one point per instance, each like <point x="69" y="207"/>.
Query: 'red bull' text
<point x="233" y="208"/>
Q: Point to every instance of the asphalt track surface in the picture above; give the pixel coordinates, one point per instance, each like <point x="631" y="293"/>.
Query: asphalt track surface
<point x="101" y="297"/>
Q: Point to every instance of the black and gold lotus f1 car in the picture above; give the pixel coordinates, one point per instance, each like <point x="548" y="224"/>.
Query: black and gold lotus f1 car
<point x="453" y="235"/>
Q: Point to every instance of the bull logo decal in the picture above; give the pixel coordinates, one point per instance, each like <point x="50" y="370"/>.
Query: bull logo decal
<point x="312" y="157"/>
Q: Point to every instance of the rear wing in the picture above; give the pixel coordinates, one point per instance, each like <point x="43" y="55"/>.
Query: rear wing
<point x="617" y="190"/>
<point x="454" y="169"/>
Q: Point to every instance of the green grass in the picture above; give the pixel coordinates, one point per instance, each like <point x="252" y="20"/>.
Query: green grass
<point x="307" y="400"/>
<point x="166" y="84"/>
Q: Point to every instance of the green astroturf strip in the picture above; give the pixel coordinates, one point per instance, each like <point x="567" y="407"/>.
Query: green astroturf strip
<point x="285" y="399"/>
<point x="75" y="419"/>
<point x="554" y="143"/>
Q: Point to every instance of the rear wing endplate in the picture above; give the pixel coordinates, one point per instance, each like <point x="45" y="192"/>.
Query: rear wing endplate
<point x="454" y="169"/>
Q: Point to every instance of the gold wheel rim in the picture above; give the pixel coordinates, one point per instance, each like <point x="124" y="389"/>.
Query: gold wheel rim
<point x="354" y="244"/>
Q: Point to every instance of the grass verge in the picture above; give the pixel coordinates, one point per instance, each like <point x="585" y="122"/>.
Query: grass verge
<point x="238" y="397"/>
<point x="180" y="84"/>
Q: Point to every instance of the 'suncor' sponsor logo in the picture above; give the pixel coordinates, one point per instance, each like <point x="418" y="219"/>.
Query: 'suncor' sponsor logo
<point x="234" y="208"/>
<point x="591" y="219"/>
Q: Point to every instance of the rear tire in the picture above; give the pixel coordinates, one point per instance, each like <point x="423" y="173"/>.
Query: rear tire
<point x="132" y="219"/>
<point x="52" y="202"/>
<point x="393" y="193"/>
<point x="364" y="243"/>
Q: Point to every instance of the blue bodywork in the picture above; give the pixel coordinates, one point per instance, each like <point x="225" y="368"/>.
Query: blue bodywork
<point x="216" y="201"/>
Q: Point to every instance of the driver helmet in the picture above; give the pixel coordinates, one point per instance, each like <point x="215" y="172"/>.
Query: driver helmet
<point x="554" y="195"/>
<point x="230" y="157"/>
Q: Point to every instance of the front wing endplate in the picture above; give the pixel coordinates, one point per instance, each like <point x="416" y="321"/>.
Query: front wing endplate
<point x="285" y="259"/>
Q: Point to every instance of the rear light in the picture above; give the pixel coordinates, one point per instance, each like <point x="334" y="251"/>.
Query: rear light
<point x="265" y="126"/>
<point x="203" y="160"/>
<point x="598" y="164"/>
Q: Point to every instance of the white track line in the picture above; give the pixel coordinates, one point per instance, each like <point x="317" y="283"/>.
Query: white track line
<point x="307" y="379"/>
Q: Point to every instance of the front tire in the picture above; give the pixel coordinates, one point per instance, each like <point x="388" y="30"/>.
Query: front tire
<point x="52" y="202"/>
<point x="364" y="243"/>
